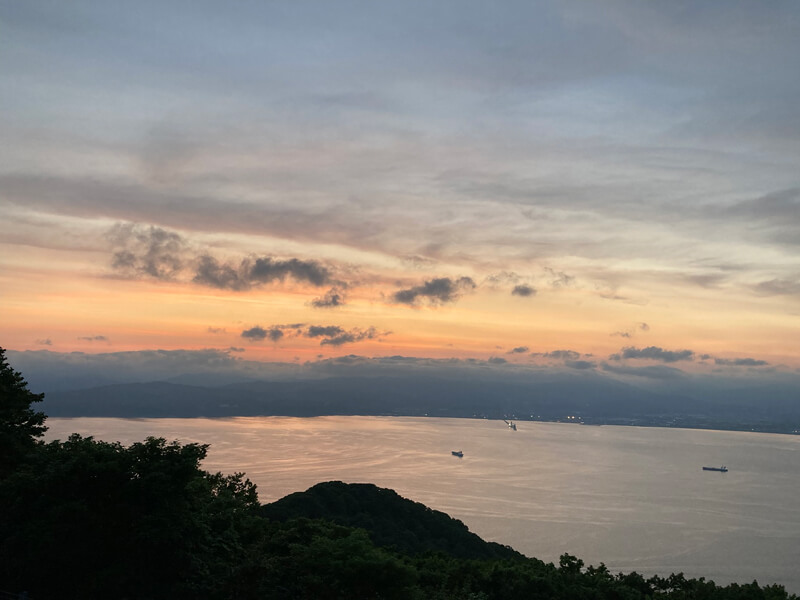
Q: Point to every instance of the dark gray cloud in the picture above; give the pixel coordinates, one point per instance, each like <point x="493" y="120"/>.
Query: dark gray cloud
<point x="559" y="354"/>
<point x="518" y="350"/>
<point x="349" y="337"/>
<point x="580" y="365"/>
<point x="497" y="360"/>
<point x="332" y="298"/>
<point x="523" y="290"/>
<point x="266" y="270"/>
<point x="653" y="353"/>
<point x="323" y="331"/>
<point x="274" y="333"/>
<point x="740" y="362"/>
<point x="257" y="271"/>
<point x="331" y="335"/>
<point x="155" y="252"/>
<point x="141" y="250"/>
<point x="255" y="333"/>
<point x="436" y="291"/>
<point x="223" y="276"/>
<point x="94" y="338"/>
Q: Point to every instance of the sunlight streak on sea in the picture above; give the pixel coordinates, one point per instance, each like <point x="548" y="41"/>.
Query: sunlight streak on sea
<point x="633" y="498"/>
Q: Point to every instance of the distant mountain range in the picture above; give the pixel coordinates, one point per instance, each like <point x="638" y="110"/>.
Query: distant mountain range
<point x="583" y="397"/>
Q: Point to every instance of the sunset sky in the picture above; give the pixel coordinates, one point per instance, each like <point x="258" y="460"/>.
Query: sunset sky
<point x="590" y="185"/>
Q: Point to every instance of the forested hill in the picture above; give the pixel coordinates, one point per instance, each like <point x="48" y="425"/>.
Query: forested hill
<point x="392" y="521"/>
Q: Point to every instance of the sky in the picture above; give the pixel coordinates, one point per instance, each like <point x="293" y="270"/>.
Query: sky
<point x="607" y="186"/>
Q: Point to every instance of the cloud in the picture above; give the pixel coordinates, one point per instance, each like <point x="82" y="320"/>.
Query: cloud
<point x="579" y="364"/>
<point x="518" y="350"/>
<point x="44" y="342"/>
<point x="436" y="291"/>
<point x="497" y="360"/>
<point x="523" y="290"/>
<point x="323" y="331"/>
<point x="94" y="338"/>
<point x="275" y="334"/>
<point x="217" y="330"/>
<point x="740" y="362"/>
<point x="559" y="354"/>
<point x="332" y="298"/>
<point x="223" y="276"/>
<point x="266" y="269"/>
<point x="631" y="332"/>
<point x="348" y="337"/>
<point x="51" y="371"/>
<point x="256" y="271"/>
<point x="331" y="335"/>
<point x="653" y="353"/>
<point x="651" y="372"/>
<point x="146" y="251"/>
<point x="778" y="287"/>
<point x="780" y="209"/>
<point x="255" y="333"/>
<point x="559" y="278"/>
<point x="150" y="251"/>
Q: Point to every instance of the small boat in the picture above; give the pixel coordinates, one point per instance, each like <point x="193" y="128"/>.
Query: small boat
<point x="511" y="425"/>
<point x="457" y="453"/>
<point x="722" y="469"/>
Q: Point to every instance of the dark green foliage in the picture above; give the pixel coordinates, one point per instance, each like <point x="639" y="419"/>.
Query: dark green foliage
<point x="20" y="425"/>
<point x="120" y="513"/>
<point x="391" y="521"/>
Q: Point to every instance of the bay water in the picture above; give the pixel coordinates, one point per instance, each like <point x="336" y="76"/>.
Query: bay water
<point x="633" y="498"/>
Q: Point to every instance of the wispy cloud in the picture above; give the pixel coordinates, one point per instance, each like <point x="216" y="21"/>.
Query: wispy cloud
<point x="146" y="250"/>
<point x="629" y="333"/>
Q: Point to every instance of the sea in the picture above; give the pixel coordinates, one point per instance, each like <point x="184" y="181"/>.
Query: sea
<point x="633" y="498"/>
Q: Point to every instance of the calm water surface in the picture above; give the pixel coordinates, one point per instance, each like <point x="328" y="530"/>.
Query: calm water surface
<point x="633" y="498"/>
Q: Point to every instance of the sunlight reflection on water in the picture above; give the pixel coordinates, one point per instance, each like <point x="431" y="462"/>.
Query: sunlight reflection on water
<point x="634" y="498"/>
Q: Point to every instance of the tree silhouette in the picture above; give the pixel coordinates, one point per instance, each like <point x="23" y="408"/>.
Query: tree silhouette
<point x="20" y="425"/>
